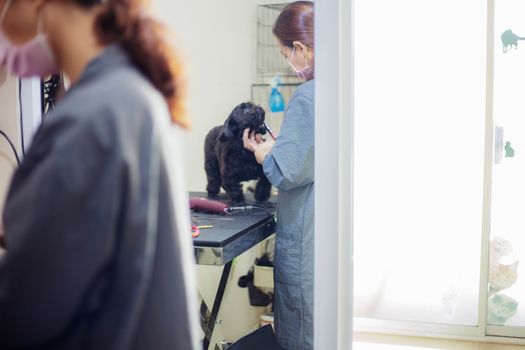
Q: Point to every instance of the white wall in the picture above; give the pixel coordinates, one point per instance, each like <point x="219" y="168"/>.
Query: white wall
<point x="217" y="40"/>
<point x="10" y="124"/>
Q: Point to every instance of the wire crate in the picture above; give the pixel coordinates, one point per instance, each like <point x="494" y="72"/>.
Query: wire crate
<point x="270" y="62"/>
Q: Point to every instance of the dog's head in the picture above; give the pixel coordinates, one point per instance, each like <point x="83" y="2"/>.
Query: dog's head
<point x="245" y="116"/>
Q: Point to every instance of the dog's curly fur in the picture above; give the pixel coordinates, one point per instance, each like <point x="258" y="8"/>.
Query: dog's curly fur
<point x="228" y="163"/>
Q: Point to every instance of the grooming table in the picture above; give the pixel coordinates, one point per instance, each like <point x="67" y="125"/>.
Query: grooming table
<point x="230" y="236"/>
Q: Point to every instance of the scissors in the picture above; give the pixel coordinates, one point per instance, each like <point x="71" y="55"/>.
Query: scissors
<point x="269" y="131"/>
<point x="196" y="230"/>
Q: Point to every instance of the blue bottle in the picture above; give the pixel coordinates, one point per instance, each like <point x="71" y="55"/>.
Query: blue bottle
<point x="276" y="98"/>
<point x="276" y="101"/>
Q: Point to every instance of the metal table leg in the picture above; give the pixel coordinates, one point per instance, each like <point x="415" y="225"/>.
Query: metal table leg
<point x="208" y="320"/>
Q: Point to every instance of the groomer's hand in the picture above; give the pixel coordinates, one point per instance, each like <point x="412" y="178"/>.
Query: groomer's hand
<point x="257" y="145"/>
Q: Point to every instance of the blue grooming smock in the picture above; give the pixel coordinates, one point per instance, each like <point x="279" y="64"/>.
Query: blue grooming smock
<point x="290" y="168"/>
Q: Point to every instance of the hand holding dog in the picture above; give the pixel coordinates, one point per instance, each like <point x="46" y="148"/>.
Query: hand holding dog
<point x="255" y="143"/>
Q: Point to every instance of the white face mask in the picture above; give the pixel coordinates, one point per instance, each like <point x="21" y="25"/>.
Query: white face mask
<point x="34" y="58"/>
<point x="306" y="72"/>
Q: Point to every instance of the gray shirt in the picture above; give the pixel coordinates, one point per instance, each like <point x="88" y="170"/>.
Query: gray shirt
<point x="290" y="168"/>
<point x="97" y="225"/>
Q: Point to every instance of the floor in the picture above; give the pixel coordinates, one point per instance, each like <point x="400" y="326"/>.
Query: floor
<point x="366" y="341"/>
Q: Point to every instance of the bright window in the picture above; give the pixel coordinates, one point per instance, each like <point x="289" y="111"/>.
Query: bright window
<point x="420" y="88"/>
<point x="506" y="277"/>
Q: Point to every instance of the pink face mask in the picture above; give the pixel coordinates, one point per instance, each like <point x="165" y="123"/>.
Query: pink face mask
<point x="34" y="58"/>
<point x="305" y="73"/>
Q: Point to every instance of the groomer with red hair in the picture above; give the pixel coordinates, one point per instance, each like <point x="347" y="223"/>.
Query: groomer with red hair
<point x="97" y="249"/>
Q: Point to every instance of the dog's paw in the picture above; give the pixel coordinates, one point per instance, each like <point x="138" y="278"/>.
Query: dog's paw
<point x="237" y="202"/>
<point x="213" y="195"/>
<point x="267" y="204"/>
<point x="262" y="201"/>
<point x="262" y="194"/>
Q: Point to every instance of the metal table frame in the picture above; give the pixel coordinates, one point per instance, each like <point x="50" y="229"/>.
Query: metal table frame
<point x="223" y="255"/>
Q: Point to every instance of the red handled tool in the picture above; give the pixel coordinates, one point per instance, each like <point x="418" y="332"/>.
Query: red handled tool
<point x="208" y="206"/>
<point x="215" y="207"/>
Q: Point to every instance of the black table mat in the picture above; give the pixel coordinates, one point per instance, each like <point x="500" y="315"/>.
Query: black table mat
<point x="227" y="228"/>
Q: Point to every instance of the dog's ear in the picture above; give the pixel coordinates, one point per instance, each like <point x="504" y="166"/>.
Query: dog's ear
<point x="229" y="129"/>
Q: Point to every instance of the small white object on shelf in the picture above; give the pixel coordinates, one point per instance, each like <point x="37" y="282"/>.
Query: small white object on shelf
<point x="263" y="277"/>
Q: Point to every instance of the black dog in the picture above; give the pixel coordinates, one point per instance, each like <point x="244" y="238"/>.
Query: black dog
<point x="228" y="163"/>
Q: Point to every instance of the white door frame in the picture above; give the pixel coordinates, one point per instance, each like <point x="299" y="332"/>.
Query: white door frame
<point x="30" y="110"/>
<point x="333" y="174"/>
